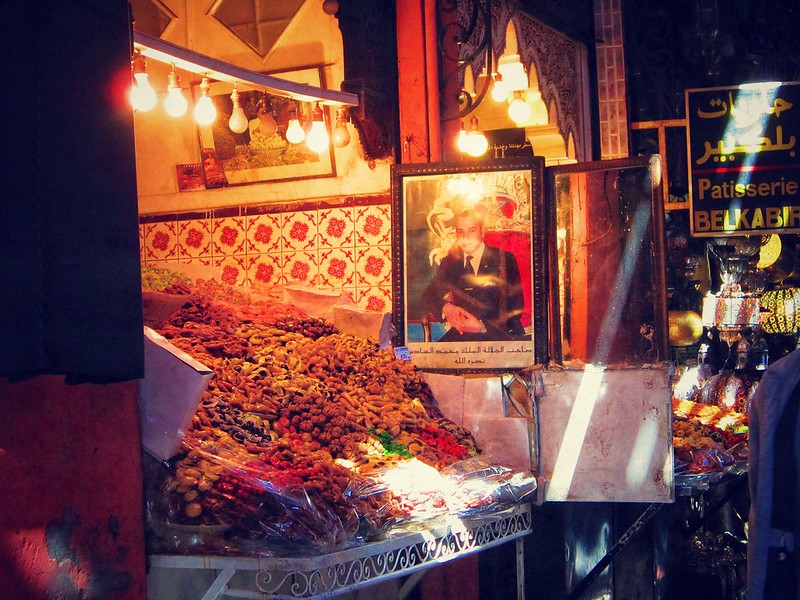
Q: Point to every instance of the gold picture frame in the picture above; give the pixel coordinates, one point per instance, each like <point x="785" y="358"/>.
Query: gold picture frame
<point x="428" y="203"/>
<point x="251" y="157"/>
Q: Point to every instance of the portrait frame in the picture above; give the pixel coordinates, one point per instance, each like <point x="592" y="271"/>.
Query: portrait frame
<point x="425" y="201"/>
<point x="250" y="158"/>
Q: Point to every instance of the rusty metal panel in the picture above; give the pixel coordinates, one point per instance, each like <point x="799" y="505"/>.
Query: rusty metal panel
<point x="605" y="434"/>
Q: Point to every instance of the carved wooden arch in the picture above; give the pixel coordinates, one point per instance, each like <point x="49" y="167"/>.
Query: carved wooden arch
<point x="553" y="60"/>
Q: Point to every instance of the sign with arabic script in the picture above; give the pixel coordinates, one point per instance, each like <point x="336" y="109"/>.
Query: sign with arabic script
<point x="744" y="159"/>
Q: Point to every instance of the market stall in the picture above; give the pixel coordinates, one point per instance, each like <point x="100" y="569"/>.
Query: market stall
<point x="284" y="446"/>
<point x="294" y="405"/>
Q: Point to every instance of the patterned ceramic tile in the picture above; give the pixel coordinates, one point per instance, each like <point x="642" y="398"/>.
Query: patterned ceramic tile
<point x="373" y="225"/>
<point x="263" y="233"/>
<point x="336" y="267"/>
<point x="160" y="241"/>
<point x="227" y="236"/>
<point x="374" y="266"/>
<point x="264" y="269"/>
<point x="300" y="267"/>
<point x="205" y="261"/>
<point x="378" y="299"/>
<point x="142" y="259"/>
<point x="349" y="292"/>
<point x="299" y="231"/>
<point x="232" y="269"/>
<point x="336" y="227"/>
<point x="194" y="238"/>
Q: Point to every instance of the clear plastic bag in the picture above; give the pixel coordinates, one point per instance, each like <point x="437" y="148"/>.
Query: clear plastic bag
<point x="489" y="485"/>
<point x="241" y="503"/>
<point x="468" y="486"/>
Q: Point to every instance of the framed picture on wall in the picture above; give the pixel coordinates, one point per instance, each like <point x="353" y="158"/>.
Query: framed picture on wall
<point x="468" y="252"/>
<point x="261" y="152"/>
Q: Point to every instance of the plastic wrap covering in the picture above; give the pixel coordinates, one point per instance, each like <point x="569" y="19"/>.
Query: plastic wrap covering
<point x="465" y="488"/>
<point x="222" y="499"/>
<point x="493" y="485"/>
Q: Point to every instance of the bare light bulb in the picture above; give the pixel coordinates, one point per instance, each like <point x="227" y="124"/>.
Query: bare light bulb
<point x="519" y="110"/>
<point x="294" y="132"/>
<point x="175" y="104"/>
<point x="461" y="141"/>
<point x="317" y="138"/>
<point x="238" y="121"/>
<point x="204" y="110"/>
<point x="513" y="72"/>
<point x="267" y="126"/>
<point x="475" y="143"/>
<point x="341" y="136"/>
<point x="143" y="96"/>
<point x="499" y="88"/>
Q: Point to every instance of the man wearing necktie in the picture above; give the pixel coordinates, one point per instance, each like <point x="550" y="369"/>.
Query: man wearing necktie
<point x="477" y="288"/>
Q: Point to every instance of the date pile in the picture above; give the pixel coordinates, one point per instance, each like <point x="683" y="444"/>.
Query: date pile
<point x="295" y="424"/>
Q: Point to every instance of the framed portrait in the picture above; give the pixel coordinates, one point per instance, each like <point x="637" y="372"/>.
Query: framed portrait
<point x="468" y="247"/>
<point x="261" y="153"/>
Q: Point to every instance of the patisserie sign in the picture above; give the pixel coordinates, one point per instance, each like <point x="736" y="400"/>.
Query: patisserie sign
<point x="743" y="160"/>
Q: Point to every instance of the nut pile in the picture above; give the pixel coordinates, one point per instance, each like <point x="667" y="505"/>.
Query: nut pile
<point x="295" y="418"/>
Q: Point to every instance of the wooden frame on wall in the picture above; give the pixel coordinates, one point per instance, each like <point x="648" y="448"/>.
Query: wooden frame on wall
<point x="506" y="197"/>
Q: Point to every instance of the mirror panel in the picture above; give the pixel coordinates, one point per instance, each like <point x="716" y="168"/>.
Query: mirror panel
<point x="607" y="282"/>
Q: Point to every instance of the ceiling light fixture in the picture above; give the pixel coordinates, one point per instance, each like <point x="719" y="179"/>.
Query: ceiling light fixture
<point x="155" y="48"/>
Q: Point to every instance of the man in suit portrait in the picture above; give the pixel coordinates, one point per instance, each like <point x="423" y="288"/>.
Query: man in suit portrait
<point x="476" y="290"/>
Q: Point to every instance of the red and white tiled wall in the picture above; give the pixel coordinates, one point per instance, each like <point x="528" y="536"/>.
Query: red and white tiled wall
<point x="344" y="246"/>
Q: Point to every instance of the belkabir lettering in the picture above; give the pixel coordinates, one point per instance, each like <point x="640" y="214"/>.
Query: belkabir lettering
<point x="745" y="219"/>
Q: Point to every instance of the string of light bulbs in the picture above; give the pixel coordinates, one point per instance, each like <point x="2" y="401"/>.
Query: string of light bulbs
<point x="144" y="98"/>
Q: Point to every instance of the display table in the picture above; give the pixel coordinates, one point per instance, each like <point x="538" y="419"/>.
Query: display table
<point x="404" y="554"/>
<point x="695" y="484"/>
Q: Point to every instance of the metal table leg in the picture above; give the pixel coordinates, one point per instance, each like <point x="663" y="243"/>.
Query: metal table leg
<point x="219" y="584"/>
<point x="520" y="568"/>
<point x="410" y="583"/>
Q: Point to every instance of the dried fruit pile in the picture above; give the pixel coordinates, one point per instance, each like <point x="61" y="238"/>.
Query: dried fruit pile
<point x="295" y="424"/>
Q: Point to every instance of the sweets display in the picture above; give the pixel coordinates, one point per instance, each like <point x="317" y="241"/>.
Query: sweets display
<point x="707" y="438"/>
<point x="305" y="436"/>
<point x="710" y="423"/>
